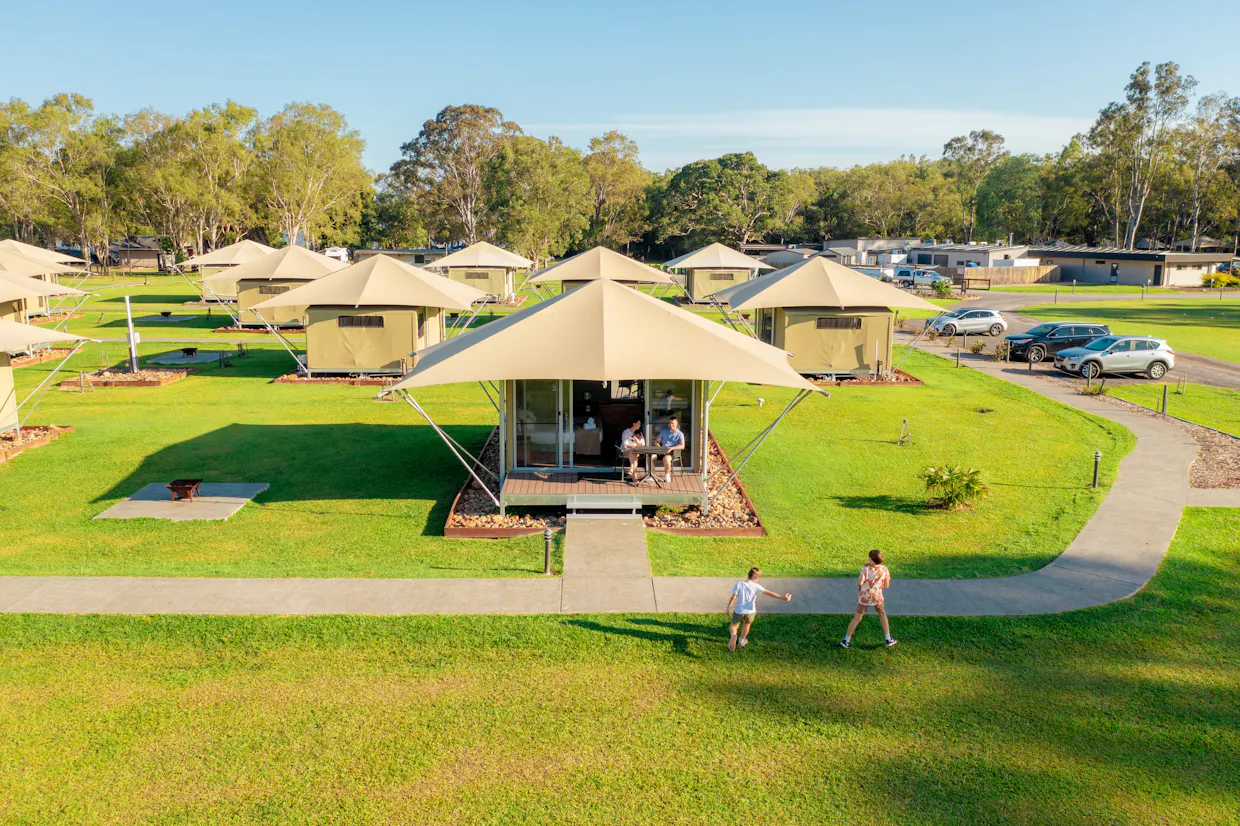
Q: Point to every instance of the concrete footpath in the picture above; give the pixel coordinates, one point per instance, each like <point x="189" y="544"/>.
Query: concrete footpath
<point x="606" y="568"/>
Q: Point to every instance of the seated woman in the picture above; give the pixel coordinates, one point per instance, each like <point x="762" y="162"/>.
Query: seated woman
<point x="629" y="439"/>
<point x="671" y="437"/>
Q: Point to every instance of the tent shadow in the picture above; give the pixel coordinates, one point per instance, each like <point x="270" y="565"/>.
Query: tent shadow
<point x="327" y="464"/>
<point x="884" y="502"/>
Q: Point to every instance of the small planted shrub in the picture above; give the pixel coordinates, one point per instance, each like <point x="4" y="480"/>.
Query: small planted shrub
<point x="932" y="333"/>
<point x="942" y="289"/>
<point x="1002" y="350"/>
<point x="953" y="487"/>
<point x="1093" y="390"/>
<point x="978" y="347"/>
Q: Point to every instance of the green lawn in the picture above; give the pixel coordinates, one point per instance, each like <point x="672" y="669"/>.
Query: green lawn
<point x="1201" y="326"/>
<point x="1126" y="714"/>
<point x="1216" y="407"/>
<point x="362" y="488"/>
<point x="1066" y="288"/>
<point x="831" y="483"/>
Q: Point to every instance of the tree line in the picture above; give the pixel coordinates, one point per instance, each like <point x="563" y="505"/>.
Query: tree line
<point x="1161" y="163"/>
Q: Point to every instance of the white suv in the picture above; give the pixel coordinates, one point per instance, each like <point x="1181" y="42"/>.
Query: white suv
<point x="1118" y="354"/>
<point x="970" y="320"/>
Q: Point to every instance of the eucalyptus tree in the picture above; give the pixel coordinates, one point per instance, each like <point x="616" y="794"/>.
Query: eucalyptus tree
<point x="733" y="199"/>
<point x="970" y="158"/>
<point x="539" y="195"/>
<point x="618" y="185"/>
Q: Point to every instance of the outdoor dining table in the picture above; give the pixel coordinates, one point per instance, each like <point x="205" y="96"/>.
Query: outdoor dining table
<point x="650" y="452"/>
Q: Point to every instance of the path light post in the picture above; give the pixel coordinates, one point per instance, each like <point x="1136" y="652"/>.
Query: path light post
<point x="1164" y="410"/>
<point x="1097" y="462"/>
<point x="547" y="544"/>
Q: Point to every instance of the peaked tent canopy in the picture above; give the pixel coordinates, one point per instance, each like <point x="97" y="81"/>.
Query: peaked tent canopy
<point x="15" y="336"/>
<point x="17" y="265"/>
<point x="600" y="264"/>
<point x="483" y="254"/>
<point x="602" y="331"/>
<point x="716" y="256"/>
<point x="15" y="287"/>
<point x="42" y="255"/>
<point x="818" y="282"/>
<point x="241" y="252"/>
<point x="292" y="263"/>
<point x="379" y="281"/>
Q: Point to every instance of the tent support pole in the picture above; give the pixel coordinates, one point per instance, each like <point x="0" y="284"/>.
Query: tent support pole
<point x="483" y="385"/>
<point x="38" y="393"/>
<point x="503" y="453"/>
<point x="301" y="368"/>
<point x="756" y="443"/>
<point x="737" y="322"/>
<point x="68" y="315"/>
<point x="207" y="288"/>
<point x="452" y="446"/>
<point x="916" y="339"/>
<point x="463" y="327"/>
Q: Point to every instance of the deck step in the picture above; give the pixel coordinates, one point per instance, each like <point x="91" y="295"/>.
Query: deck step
<point x="604" y="502"/>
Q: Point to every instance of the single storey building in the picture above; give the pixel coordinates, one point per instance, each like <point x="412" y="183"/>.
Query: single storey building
<point x="1110" y="265"/>
<point x="419" y="256"/>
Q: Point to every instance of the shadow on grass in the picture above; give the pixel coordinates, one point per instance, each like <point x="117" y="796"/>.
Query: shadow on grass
<point x="653" y="630"/>
<point x="884" y="502"/>
<point x="322" y="463"/>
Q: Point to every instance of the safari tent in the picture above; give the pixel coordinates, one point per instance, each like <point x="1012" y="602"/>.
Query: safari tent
<point x="15" y="337"/>
<point x="599" y="264"/>
<point x="223" y="260"/>
<point x="484" y="267"/>
<point x="271" y="275"/>
<point x="571" y="373"/>
<point x="16" y="265"/>
<point x="831" y="319"/>
<point x="43" y="255"/>
<point x="371" y="317"/>
<point x="713" y="268"/>
<point x="18" y="292"/>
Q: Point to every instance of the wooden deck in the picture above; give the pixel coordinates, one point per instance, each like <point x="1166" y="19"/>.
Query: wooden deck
<point x="557" y="487"/>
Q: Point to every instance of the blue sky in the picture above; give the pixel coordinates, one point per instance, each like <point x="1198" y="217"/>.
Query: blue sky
<point x="799" y="83"/>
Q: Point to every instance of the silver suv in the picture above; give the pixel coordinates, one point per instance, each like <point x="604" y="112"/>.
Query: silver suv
<point x="1118" y="354"/>
<point x="969" y="320"/>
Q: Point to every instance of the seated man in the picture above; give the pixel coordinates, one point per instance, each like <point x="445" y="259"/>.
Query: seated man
<point x="671" y="437"/>
<point x="629" y="439"/>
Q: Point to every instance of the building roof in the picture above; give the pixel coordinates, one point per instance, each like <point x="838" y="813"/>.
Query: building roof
<point x="150" y="243"/>
<point x="292" y="263"/>
<point x="716" y="256"/>
<point x="231" y="255"/>
<point x="602" y="331"/>
<point x="379" y="281"/>
<point x="43" y="256"/>
<point x="483" y="254"/>
<point x="967" y="247"/>
<point x="402" y="251"/>
<point x="15" y="336"/>
<point x="600" y="264"/>
<point x="1120" y="254"/>
<point x="818" y="282"/>
<point x="1203" y="242"/>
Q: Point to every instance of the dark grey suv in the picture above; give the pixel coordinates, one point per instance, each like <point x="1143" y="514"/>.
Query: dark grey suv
<point x="1048" y="339"/>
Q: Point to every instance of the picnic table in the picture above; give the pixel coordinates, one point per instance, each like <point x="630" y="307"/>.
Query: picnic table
<point x="184" y="489"/>
<point x="650" y="452"/>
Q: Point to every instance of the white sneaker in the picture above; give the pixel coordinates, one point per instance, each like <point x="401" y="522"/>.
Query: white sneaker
<point x="667" y="478"/>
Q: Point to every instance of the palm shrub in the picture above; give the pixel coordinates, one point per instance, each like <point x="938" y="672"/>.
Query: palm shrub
<point x="952" y="487"/>
<point x="978" y="347"/>
<point x="943" y="289"/>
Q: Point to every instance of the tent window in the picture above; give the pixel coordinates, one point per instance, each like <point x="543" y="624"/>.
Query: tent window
<point x="272" y="289"/>
<point x="359" y="321"/>
<point x="475" y="276"/>
<point x="850" y="322"/>
<point x="722" y="276"/>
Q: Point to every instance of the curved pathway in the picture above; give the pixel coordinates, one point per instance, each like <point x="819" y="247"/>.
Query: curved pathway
<point x="1113" y="557"/>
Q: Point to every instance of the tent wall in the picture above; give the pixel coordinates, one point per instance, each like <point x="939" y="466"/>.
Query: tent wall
<point x="40" y="305"/>
<point x="226" y="290"/>
<point x="494" y="281"/>
<point x="844" y="341"/>
<point x="12" y="311"/>
<point x="255" y="291"/>
<point x="8" y="395"/>
<point x="333" y="347"/>
<point x="705" y="282"/>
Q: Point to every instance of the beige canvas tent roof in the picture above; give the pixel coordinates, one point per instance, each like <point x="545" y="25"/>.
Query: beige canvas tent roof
<point x="602" y="331"/>
<point x="234" y="254"/>
<point x="16" y="264"/>
<point x="14" y="336"/>
<point x="292" y="263"/>
<point x="379" y="281"/>
<point x="42" y="255"/>
<point x="716" y="256"/>
<point x="14" y="287"/>
<point x="598" y="264"/>
<point x="819" y="282"/>
<point x="483" y="254"/>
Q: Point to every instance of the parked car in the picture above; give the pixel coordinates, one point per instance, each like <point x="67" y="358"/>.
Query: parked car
<point x="917" y="277"/>
<point x="969" y="320"/>
<point x="881" y="273"/>
<point x="1118" y="354"/>
<point x="1048" y="339"/>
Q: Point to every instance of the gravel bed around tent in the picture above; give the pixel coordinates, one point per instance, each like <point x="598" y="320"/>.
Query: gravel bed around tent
<point x="53" y="318"/>
<point x="146" y="377"/>
<point x="40" y="356"/>
<point x="1218" y="462"/>
<point x="896" y="377"/>
<point x="14" y="442"/>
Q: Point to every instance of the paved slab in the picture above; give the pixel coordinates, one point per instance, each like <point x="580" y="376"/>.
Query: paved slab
<point x="201" y="357"/>
<point x="219" y="500"/>
<point x="606" y="567"/>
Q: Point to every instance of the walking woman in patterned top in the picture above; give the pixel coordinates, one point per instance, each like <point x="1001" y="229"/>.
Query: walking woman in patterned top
<point x="874" y="578"/>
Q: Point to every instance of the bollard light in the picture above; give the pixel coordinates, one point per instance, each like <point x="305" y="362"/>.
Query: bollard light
<point x="1097" y="463"/>
<point x="547" y="549"/>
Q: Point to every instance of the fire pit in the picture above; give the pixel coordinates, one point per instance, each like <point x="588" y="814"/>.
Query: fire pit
<point x="183" y="489"/>
<point x="189" y="352"/>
